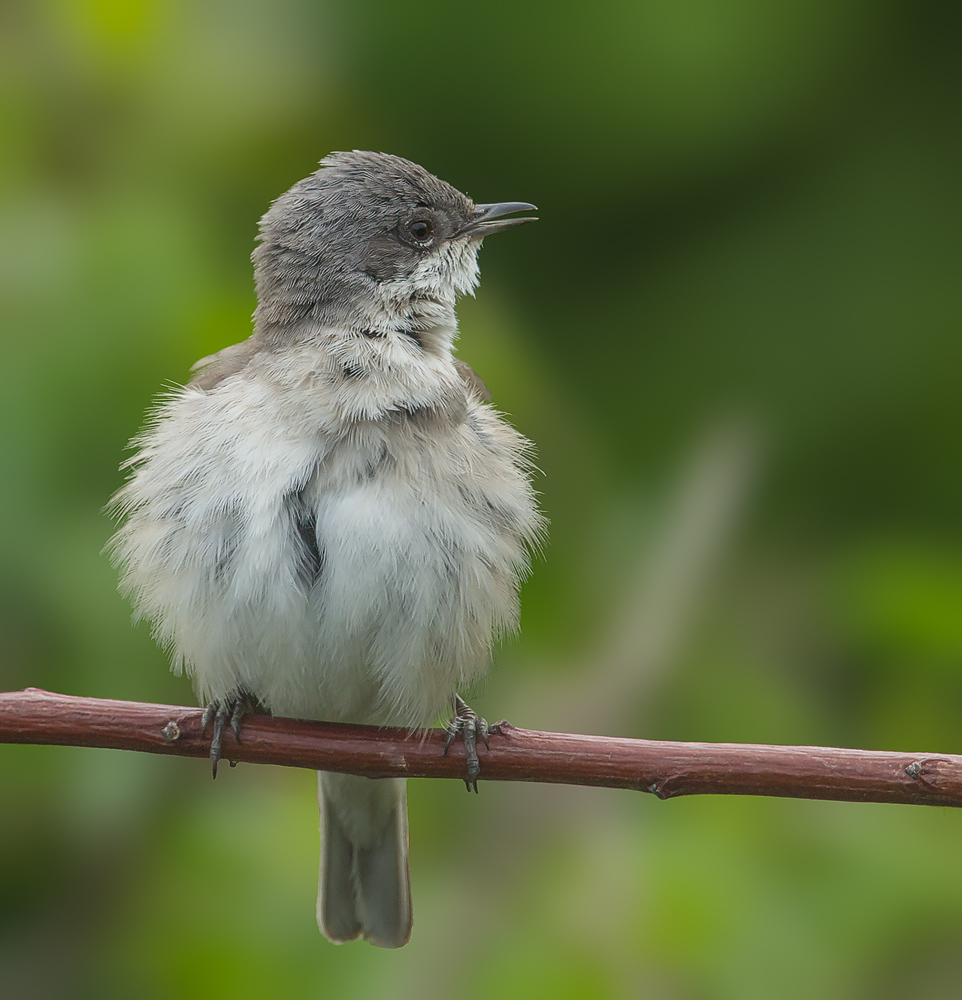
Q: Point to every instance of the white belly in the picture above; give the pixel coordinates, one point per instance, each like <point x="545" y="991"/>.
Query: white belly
<point x="410" y="591"/>
<point x="419" y="535"/>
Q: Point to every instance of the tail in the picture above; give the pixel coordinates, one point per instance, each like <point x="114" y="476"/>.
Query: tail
<point x="364" y="887"/>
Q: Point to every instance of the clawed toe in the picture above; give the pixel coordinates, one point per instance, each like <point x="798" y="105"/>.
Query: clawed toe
<point x="470" y="727"/>
<point x="222" y="712"/>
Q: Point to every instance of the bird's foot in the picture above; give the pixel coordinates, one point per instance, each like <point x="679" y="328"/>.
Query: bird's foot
<point x="229" y="710"/>
<point x="470" y="727"/>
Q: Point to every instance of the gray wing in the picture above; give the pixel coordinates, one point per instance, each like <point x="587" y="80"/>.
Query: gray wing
<point x="212" y="370"/>
<point x="473" y="382"/>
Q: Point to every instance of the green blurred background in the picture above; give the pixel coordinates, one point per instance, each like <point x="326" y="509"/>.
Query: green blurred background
<point x="734" y="335"/>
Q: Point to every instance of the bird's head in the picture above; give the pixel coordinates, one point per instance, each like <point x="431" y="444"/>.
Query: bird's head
<point x="370" y="241"/>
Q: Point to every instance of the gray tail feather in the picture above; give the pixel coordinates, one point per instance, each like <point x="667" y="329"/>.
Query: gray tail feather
<point x="364" y="888"/>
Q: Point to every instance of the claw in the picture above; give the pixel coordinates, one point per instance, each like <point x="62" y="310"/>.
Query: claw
<point x="215" y="744"/>
<point x="237" y="714"/>
<point x="208" y="716"/>
<point x="223" y="712"/>
<point x="469" y="726"/>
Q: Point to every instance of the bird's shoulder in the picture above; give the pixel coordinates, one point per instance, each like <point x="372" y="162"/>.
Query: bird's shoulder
<point x="210" y="371"/>
<point x="475" y="385"/>
<point x="333" y="382"/>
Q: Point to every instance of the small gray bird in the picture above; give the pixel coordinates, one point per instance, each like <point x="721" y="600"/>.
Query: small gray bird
<point x="329" y="521"/>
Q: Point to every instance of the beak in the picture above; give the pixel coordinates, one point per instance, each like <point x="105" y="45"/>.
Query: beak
<point x="489" y="218"/>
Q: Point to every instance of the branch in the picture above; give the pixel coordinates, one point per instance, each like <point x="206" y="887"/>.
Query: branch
<point x="663" y="768"/>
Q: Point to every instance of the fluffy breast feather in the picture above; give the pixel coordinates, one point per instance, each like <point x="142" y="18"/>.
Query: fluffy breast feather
<point x="420" y="511"/>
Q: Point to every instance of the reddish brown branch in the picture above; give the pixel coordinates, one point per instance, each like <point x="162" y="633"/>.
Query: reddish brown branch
<point x="665" y="769"/>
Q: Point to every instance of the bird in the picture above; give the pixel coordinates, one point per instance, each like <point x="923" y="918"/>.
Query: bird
<point x="330" y="520"/>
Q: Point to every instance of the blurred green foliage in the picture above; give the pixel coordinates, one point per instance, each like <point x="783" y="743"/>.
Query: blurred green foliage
<point x="749" y="234"/>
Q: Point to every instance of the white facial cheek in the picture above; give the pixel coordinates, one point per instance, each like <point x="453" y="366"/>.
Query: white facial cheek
<point x="463" y="266"/>
<point x="452" y="270"/>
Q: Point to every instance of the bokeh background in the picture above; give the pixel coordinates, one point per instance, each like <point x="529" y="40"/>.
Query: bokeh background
<point x="734" y="335"/>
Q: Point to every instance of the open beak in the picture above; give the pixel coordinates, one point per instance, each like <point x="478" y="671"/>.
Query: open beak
<point x="489" y="218"/>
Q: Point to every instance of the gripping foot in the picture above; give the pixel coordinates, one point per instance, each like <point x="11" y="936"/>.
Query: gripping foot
<point x="222" y="712"/>
<point x="470" y="727"/>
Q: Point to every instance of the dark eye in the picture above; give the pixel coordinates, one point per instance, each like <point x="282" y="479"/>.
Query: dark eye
<point x="420" y="230"/>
